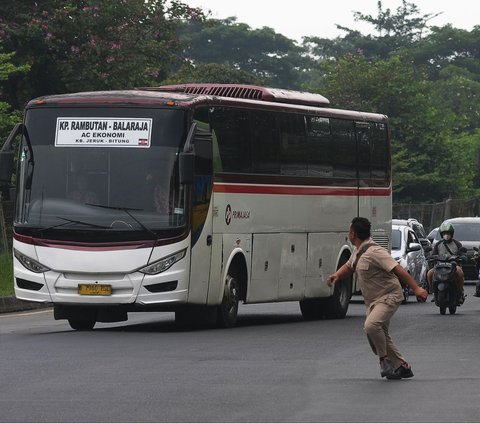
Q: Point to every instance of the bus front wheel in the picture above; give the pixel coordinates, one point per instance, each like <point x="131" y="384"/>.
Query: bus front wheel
<point x="81" y="324"/>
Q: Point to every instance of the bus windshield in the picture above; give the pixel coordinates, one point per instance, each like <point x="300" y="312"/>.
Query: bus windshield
<point x="97" y="172"/>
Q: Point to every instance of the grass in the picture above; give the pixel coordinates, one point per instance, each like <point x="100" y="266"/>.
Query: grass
<point x="6" y="275"/>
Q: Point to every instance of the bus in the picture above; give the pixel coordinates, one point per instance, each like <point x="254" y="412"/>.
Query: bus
<point x="191" y="199"/>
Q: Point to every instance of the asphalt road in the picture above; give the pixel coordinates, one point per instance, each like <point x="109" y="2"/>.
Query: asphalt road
<point x="272" y="367"/>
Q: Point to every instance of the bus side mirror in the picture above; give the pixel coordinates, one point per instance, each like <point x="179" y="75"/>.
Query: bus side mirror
<point x="187" y="168"/>
<point x="6" y="166"/>
<point x="7" y="154"/>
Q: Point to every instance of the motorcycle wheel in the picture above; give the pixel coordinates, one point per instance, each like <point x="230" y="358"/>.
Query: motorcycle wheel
<point x="441" y="300"/>
<point x="452" y="309"/>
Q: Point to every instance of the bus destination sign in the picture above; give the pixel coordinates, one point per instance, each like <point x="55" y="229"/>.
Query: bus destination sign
<point x="103" y="132"/>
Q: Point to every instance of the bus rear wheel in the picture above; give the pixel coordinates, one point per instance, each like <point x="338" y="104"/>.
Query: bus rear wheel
<point x="312" y="309"/>
<point x="227" y="311"/>
<point x="336" y="306"/>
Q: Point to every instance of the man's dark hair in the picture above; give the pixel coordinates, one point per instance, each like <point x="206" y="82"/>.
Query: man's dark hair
<point x="361" y="226"/>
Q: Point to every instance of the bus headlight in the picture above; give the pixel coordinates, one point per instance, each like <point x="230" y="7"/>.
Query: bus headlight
<point x="29" y="263"/>
<point x="163" y="264"/>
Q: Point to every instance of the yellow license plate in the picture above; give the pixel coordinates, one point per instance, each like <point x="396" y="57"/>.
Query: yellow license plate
<point x="94" y="289"/>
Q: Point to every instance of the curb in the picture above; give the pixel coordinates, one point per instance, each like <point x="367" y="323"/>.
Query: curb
<point x="12" y="304"/>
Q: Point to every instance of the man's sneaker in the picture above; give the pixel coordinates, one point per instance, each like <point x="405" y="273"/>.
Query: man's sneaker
<point x="403" y="372"/>
<point x="386" y="367"/>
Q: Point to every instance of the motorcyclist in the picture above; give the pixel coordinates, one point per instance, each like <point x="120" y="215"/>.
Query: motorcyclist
<point x="446" y="247"/>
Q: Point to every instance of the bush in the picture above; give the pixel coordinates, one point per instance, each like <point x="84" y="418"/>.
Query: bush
<point x="6" y="275"/>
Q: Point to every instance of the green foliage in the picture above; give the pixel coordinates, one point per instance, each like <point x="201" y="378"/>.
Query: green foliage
<point x="425" y="147"/>
<point x="212" y="73"/>
<point x="464" y="170"/>
<point x="405" y="24"/>
<point x="6" y="275"/>
<point x="91" y="44"/>
<point x="448" y="46"/>
<point x="262" y="52"/>
<point x="394" y="32"/>
<point x="456" y="94"/>
<point x="7" y="68"/>
<point x="426" y="79"/>
<point x="8" y="117"/>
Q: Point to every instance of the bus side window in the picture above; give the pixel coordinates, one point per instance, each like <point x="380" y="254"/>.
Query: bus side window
<point x="231" y="130"/>
<point x="265" y="143"/>
<point x="344" y="149"/>
<point x="379" y="159"/>
<point x="201" y="118"/>
<point x="372" y="153"/>
<point x="293" y="145"/>
<point x="320" y="150"/>
<point x="364" y="147"/>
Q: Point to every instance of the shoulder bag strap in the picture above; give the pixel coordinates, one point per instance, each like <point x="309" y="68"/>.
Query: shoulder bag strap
<point x="360" y="252"/>
<point x="448" y="249"/>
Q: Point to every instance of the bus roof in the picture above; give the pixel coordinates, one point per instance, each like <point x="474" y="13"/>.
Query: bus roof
<point x="188" y="95"/>
<point x="251" y="92"/>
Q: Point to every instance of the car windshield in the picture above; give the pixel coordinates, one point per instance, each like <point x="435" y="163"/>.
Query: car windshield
<point x="466" y="231"/>
<point x="419" y="231"/>
<point x="396" y="239"/>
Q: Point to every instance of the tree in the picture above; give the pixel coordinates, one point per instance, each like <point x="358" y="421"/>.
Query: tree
<point x="404" y="25"/>
<point x="8" y="117"/>
<point x="91" y="44"/>
<point x="264" y="53"/>
<point x="463" y="179"/>
<point x="445" y="46"/>
<point x="212" y="73"/>
<point x="420" y="132"/>
<point x="394" y="32"/>
<point x="427" y="79"/>
<point x="456" y="92"/>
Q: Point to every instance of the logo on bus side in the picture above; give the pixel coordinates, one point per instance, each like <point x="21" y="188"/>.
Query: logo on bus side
<point x="235" y="214"/>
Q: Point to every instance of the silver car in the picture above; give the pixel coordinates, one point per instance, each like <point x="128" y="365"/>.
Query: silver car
<point x="419" y="231"/>
<point x="408" y="252"/>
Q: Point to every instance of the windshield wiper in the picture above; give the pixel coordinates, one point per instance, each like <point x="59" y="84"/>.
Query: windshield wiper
<point x="127" y="211"/>
<point x="69" y="222"/>
<point x="79" y="222"/>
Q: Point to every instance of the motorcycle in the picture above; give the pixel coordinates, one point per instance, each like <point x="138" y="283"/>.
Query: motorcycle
<point x="445" y="289"/>
<point x="476" y="259"/>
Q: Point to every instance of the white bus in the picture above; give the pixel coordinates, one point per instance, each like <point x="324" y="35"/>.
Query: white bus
<point x="192" y="198"/>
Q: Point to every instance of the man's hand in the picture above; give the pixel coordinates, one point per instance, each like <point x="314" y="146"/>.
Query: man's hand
<point x="342" y="273"/>
<point x="332" y="279"/>
<point x="421" y="294"/>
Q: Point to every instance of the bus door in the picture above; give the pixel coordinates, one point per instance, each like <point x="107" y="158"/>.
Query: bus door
<point x="202" y="221"/>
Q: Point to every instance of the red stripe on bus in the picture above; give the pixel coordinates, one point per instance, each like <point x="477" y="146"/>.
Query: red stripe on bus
<point x="90" y="246"/>
<point x="301" y="190"/>
<point x="72" y="245"/>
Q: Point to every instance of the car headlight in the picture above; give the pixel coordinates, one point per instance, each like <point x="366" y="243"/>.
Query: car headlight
<point x="163" y="264"/>
<point x="29" y="263"/>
